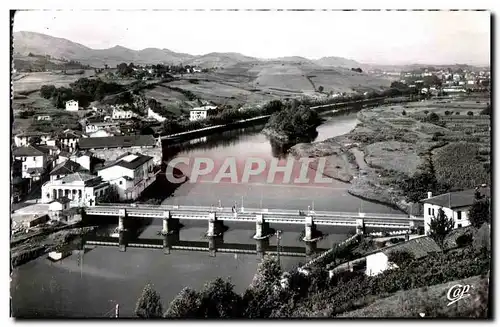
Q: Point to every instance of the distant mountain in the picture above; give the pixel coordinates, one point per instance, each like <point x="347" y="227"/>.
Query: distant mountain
<point x="59" y="48"/>
<point x="337" y="62"/>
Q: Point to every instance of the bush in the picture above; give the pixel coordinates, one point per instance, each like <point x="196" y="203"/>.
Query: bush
<point x="470" y="113"/>
<point x="396" y="240"/>
<point x="400" y="257"/>
<point x="457" y="113"/>
<point x="447" y="113"/>
<point x="426" y="112"/>
<point x="464" y="240"/>
<point x="403" y="112"/>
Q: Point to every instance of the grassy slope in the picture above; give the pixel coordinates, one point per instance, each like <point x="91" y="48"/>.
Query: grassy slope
<point x="431" y="301"/>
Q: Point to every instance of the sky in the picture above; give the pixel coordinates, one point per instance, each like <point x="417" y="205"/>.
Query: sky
<point x="386" y="37"/>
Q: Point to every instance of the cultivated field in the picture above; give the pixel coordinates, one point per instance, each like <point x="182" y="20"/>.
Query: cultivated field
<point x="34" y="81"/>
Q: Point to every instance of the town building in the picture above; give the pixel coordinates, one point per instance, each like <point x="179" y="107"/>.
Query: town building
<point x="34" y="161"/>
<point x="81" y="188"/>
<point x="62" y="157"/>
<point x="83" y="158"/>
<point x="124" y="142"/>
<point x="155" y="116"/>
<point x="68" y="140"/>
<point x="66" y="168"/>
<point x="23" y="139"/>
<point x="94" y="127"/>
<point x="105" y="133"/>
<point x="58" y="207"/>
<point x="419" y="247"/>
<point x="130" y="174"/>
<point x="43" y="117"/>
<point x="201" y="112"/>
<point x="72" y="105"/>
<point x="455" y="205"/>
<point x="119" y="113"/>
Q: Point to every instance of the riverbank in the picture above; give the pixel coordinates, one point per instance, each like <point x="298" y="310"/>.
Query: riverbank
<point x="40" y="243"/>
<point x="389" y="144"/>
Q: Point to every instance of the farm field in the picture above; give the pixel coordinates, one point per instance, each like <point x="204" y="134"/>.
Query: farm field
<point x="455" y="149"/>
<point x="34" y="81"/>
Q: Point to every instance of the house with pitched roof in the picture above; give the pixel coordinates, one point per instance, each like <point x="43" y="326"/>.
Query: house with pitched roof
<point x="68" y="140"/>
<point x="130" y="174"/>
<point x="82" y="189"/>
<point x="34" y="160"/>
<point x="66" y="168"/>
<point x="455" y="205"/>
<point x="23" y="139"/>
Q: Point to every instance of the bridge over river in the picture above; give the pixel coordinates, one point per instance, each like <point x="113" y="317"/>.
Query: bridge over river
<point x="215" y="216"/>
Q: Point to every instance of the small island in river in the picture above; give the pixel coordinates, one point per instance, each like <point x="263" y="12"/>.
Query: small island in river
<point x="293" y="124"/>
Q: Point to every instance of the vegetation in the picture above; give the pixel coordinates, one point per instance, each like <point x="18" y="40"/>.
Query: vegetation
<point x="358" y="70"/>
<point x="479" y="213"/>
<point x="400" y="257"/>
<point x="149" y="304"/>
<point x="457" y="166"/>
<point x="416" y="187"/>
<point x="470" y="113"/>
<point x="294" y="123"/>
<point x="185" y="305"/>
<point x="464" y="240"/>
<point x="84" y="90"/>
<point x="111" y="196"/>
<point x="487" y="110"/>
<point x="439" y="227"/>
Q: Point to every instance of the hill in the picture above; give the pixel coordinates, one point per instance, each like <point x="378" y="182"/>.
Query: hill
<point x="41" y="44"/>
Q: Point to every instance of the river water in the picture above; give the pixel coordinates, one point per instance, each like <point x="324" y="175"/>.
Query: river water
<point x="90" y="285"/>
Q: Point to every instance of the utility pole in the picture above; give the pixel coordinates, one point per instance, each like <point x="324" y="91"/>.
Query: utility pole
<point x="278" y="237"/>
<point x="117" y="311"/>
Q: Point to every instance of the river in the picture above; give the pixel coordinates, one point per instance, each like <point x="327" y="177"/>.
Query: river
<point x="91" y="285"/>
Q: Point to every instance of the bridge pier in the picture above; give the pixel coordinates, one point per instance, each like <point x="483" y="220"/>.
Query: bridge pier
<point x="169" y="240"/>
<point x="311" y="248"/>
<point x="122" y="214"/>
<point x="212" y="246"/>
<point x="215" y="227"/>
<point x="261" y="228"/>
<point x="261" y="246"/>
<point x="360" y="226"/>
<point x="167" y="227"/>
<point x="122" y="242"/>
<point x="310" y="230"/>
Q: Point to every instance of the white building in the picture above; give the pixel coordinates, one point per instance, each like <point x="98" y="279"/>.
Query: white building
<point x="455" y="205"/>
<point x="66" y="168"/>
<point x="43" y="117"/>
<point x="80" y="188"/>
<point x="155" y="116"/>
<point x="201" y="112"/>
<point x="68" y="140"/>
<point x="130" y="174"/>
<point x="23" y="139"/>
<point x="58" y="207"/>
<point x="34" y="160"/>
<point x="94" y="127"/>
<point x="104" y="133"/>
<point x="119" y="113"/>
<point x="72" y="105"/>
<point x="419" y="247"/>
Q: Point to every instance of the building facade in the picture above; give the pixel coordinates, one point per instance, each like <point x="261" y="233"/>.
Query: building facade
<point x="24" y="139"/>
<point x="80" y="188"/>
<point x="130" y="174"/>
<point x="72" y="105"/>
<point x="201" y="112"/>
<point x="455" y="205"/>
<point x="34" y="161"/>
<point x="119" y="113"/>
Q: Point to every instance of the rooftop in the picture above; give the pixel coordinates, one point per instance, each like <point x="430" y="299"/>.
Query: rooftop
<point x="419" y="247"/>
<point x="129" y="161"/>
<point x="456" y="199"/>
<point x="78" y="177"/>
<point x="67" y="167"/>
<point x="30" y="151"/>
<point x="29" y="134"/>
<point x="117" y="141"/>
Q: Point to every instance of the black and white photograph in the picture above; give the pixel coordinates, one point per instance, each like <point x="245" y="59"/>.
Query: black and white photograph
<point x="250" y="164"/>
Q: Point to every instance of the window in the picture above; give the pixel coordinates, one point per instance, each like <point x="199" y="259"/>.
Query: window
<point x="121" y="182"/>
<point x="433" y="211"/>
<point x="459" y="225"/>
<point x="429" y="210"/>
<point x="34" y="159"/>
<point x="459" y="215"/>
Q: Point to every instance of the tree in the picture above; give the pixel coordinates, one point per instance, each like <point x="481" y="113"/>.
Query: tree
<point x="470" y="113"/>
<point x="400" y="257"/>
<point x="111" y="196"/>
<point x="320" y="89"/>
<point x="149" y="304"/>
<point x="433" y="117"/>
<point x="403" y="112"/>
<point x="439" y="227"/>
<point x="479" y="213"/>
<point x="487" y="110"/>
<point x="268" y="274"/>
<point x="185" y="305"/>
<point x="218" y="300"/>
<point x="447" y="113"/>
<point x="46" y="91"/>
<point x="482" y="239"/>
